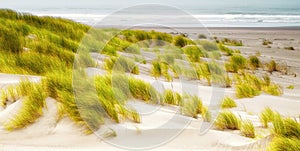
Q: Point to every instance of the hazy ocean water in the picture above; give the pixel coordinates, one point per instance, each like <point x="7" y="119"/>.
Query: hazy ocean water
<point x="270" y="13"/>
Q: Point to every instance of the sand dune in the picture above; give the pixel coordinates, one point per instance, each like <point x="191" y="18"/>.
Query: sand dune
<point x="160" y="123"/>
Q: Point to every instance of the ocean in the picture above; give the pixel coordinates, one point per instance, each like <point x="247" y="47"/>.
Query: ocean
<point x="216" y="13"/>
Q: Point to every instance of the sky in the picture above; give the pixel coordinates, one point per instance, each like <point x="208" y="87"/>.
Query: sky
<point x="35" y="4"/>
<point x="246" y="12"/>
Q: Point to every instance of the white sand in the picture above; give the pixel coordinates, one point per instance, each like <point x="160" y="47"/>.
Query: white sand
<point x="9" y="79"/>
<point x="162" y="123"/>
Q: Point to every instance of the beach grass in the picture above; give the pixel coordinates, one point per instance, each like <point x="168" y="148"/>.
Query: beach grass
<point x="289" y="48"/>
<point x="266" y="42"/>
<point x="247" y="129"/>
<point x="254" y="62"/>
<point x="287" y="134"/>
<point x="171" y="97"/>
<point x="225" y="49"/>
<point x="4" y="98"/>
<point x="15" y="92"/>
<point x="161" y="68"/>
<point x="121" y="64"/>
<point x="206" y="114"/>
<point x="284" y="144"/>
<point x="202" y="36"/>
<point x="12" y="94"/>
<point x="228" y="102"/>
<point x="236" y="62"/>
<point x="207" y="45"/>
<point x="227" y="120"/>
<point x="143" y="90"/>
<point x="24" y="86"/>
<point x="192" y="106"/>
<point x="231" y="42"/>
<point x="156" y="69"/>
<point x="47" y="46"/>
<point x="31" y="109"/>
<point x="228" y="81"/>
<point x="181" y="41"/>
<point x="193" y="52"/>
<point x="113" y="96"/>
<point x="286" y="127"/>
<point x="291" y="87"/>
<point x="266" y="116"/>
<point x="246" y="91"/>
<point x="271" y="66"/>
<point x="250" y="85"/>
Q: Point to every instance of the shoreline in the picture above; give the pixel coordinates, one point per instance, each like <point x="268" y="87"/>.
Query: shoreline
<point x="195" y="28"/>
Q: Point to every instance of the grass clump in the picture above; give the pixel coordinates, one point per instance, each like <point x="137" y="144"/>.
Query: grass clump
<point x="84" y="110"/>
<point x="202" y="36"/>
<point x="31" y="109"/>
<point x="266" y="42"/>
<point x="228" y="81"/>
<point x="284" y="144"/>
<point x="159" y="69"/>
<point x="156" y="70"/>
<point x="203" y="72"/>
<point x="170" y="97"/>
<point x="181" y="41"/>
<point x="57" y="81"/>
<point x="287" y="134"/>
<point x="206" y="115"/>
<point x="193" y="53"/>
<point x="225" y="49"/>
<point x="192" y="106"/>
<point x="266" y="116"/>
<point x="24" y="87"/>
<point x="121" y="64"/>
<point x="291" y="87"/>
<point x="236" y="62"/>
<point x="214" y="55"/>
<point x="247" y="129"/>
<point x="143" y="90"/>
<point x="254" y="62"/>
<point x="153" y="37"/>
<point x="212" y="72"/>
<point x="271" y="66"/>
<point x="289" y="48"/>
<point x="228" y="103"/>
<point x="232" y="42"/>
<point x="114" y="90"/>
<point x="134" y="49"/>
<point x="270" y="87"/>
<point x="80" y="104"/>
<point x="167" y="58"/>
<point x="4" y="98"/>
<point x="249" y="85"/>
<point x="286" y="127"/>
<point x="246" y="91"/>
<point x="14" y="93"/>
<point x="207" y="45"/>
<point x="227" y="120"/>
<point x="10" y="41"/>
<point x="10" y="94"/>
<point x="273" y="89"/>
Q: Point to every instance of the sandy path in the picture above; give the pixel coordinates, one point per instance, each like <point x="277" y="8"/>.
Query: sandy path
<point x="12" y="79"/>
